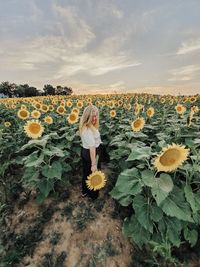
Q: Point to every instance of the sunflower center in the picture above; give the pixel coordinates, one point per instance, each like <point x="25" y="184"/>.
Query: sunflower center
<point x="34" y="128"/>
<point x="170" y="157"/>
<point x="137" y="123"/>
<point x="23" y="113"/>
<point x="96" y="180"/>
<point x="72" y="117"/>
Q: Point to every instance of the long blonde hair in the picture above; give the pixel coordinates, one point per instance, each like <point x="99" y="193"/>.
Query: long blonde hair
<point x="86" y="118"/>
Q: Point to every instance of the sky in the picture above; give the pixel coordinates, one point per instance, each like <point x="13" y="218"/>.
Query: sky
<point x="102" y="46"/>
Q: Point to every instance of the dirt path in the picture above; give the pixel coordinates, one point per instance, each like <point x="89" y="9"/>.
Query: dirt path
<point x="75" y="232"/>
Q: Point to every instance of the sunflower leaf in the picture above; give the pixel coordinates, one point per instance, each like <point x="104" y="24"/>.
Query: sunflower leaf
<point x="175" y="205"/>
<point x="140" y="153"/>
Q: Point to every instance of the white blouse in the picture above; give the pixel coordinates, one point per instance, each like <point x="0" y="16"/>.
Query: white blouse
<point x="90" y="138"/>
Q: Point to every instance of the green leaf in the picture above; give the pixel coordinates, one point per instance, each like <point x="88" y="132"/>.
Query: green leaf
<point x="161" y="188"/>
<point x="140" y="153"/>
<point x="54" y="151"/>
<point x="142" y="212"/>
<point x="190" y="198"/>
<point x="45" y="187"/>
<point x="34" y="160"/>
<point x="148" y="178"/>
<point x="122" y="197"/>
<point x="53" y="171"/>
<point x="129" y="182"/>
<point x="156" y="213"/>
<point x="191" y="236"/>
<point x="133" y="229"/>
<point x="175" y="205"/>
<point x="173" y="230"/>
<point x="30" y="175"/>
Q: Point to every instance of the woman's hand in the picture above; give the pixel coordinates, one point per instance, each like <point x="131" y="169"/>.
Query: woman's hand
<point x="94" y="168"/>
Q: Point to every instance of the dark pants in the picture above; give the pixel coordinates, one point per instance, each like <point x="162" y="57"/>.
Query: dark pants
<point x="86" y="160"/>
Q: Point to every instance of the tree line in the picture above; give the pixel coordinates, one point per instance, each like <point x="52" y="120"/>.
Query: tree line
<point x="8" y="89"/>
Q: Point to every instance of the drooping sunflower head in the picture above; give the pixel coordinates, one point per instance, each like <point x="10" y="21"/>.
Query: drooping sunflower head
<point x="112" y="113"/>
<point x="96" y="180"/>
<point x="33" y="129"/>
<point x="23" y="114"/>
<point x="72" y="118"/>
<point x="48" y="120"/>
<point x="170" y="158"/>
<point x="138" y="124"/>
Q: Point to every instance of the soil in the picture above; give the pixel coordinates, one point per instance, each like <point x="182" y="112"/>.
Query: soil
<point x="71" y="232"/>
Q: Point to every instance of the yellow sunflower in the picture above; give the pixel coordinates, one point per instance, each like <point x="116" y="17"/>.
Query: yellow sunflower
<point x="138" y="124"/>
<point x="72" y="118"/>
<point x="96" y="180"/>
<point x="195" y="109"/>
<point x="48" y="120"/>
<point x="69" y="103"/>
<point x="33" y="129"/>
<point x="60" y="110"/>
<point x="171" y="157"/>
<point x="23" y="114"/>
<point x="35" y="114"/>
<point x="79" y="104"/>
<point x="7" y="124"/>
<point x="180" y="109"/>
<point x="193" y="99"/>
<point x="112" y="113"/>
<point x="150" y="112"/>
<point x="44" y="108"/>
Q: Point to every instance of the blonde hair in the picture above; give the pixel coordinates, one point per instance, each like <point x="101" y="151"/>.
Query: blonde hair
<point x="86" y="118"/>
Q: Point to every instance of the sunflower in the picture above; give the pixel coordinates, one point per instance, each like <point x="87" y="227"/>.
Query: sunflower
<point x="180" y="109"/>
<point x="69" y="103"/>
<point x="72" y="118"/>
<point x="75" y="110"/>
<point x="33" y="129"/>
<point x="195" y="109"/>
<point x="79" y="104"/>
<point x="60" y="110"/>
<point x="51" y="108"/>
<point x="44" y="108"/>
<point x="23" y="114"/>
<point x="171" y="157"/>
<point x="112" y="113"/>
<point x="193" y="99"/>
<point x="96" y="180"/>
<point x="35" y="114"/>
<point x="48" y="119"/>
<point x="138" y="124"/>
<point x="150" y="112"/>
<point x="7" y="124"/>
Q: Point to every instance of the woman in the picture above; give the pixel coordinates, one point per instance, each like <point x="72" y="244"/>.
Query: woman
<point x="90" y="137"/>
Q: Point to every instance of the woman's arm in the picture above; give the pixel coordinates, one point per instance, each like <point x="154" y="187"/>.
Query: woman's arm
<point x="93" y="159"/>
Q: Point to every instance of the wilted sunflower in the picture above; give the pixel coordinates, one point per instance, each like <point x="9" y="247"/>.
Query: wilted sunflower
<point x="138" y="124"/>
<point x="72" y="118"/>
<point x="33" y="129"/>
<point x="180" y="109"/>
<point x="7" y="124"/>
<point x="150" y="112"/>
<point x="35" y="114"/>
<point x="96" y="180"/>
<point x="112" y="113"/>
<point x="171" y="157"/>
<point x="23" y="114"/>
<point x="48" y="119"/>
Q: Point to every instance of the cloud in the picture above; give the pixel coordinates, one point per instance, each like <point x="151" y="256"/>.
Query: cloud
<point x="185" y="73"/>
<point x="189" y="47"/>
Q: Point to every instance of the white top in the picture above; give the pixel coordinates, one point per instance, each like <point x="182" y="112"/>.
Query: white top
<point x="90" y="138"/>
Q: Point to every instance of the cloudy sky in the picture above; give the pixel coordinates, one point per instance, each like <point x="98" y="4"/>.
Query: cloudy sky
<point x="102" y="45"/>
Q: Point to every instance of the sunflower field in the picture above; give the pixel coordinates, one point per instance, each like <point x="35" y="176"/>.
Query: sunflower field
<point x="153" y="143"/>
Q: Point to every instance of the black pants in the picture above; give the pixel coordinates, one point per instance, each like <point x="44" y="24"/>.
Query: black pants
<point x="86" y="160"/>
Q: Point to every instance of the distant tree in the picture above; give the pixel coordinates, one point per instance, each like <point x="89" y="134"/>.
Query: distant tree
<point x="8" y="89"/>
<point x="49" y="89"/>
<point x="63" y="90"/>
<point x="20" y="91"/>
